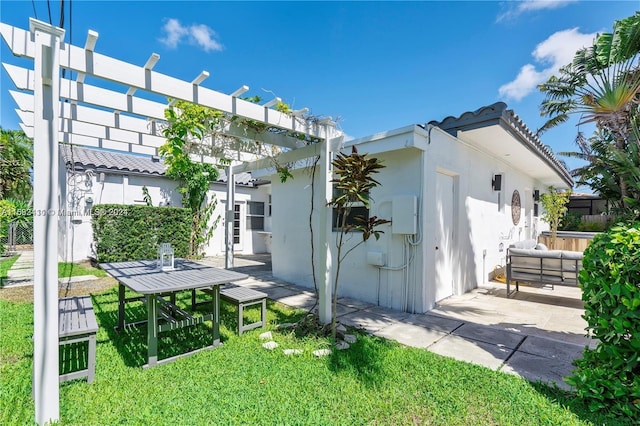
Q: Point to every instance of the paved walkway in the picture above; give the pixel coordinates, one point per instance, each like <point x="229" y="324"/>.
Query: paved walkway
<point x="21" y="273"/>
<point x="536" y="334"/>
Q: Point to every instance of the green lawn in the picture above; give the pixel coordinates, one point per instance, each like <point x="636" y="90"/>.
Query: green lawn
<point x="5" y="264"/>
<point x="374" y="382"/>
<point x="68" y="269"/>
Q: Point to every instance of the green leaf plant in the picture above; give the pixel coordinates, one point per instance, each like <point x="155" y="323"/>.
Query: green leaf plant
<point x="188" y="125"/>
<point x="555" y="207"/>
<point x="608" y="376"/>
<point x="353" y="184"/>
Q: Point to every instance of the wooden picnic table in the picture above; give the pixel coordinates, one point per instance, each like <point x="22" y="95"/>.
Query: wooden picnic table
<point x="145" y="278"/>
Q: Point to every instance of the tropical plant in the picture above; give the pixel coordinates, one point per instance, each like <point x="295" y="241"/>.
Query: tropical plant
<point x="16" y="162"/>
<point x="188" y="124"/>
<point x="146" y="196"/>
<point x="353" y="183"/>
<point x="608" y="377"/>
<point x="554" y="204"/>
<point x="601" y="84"/>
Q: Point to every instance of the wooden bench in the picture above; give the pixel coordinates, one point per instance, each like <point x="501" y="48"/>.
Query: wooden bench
<point x="240" y="297"/>
<point x="77" y="323"/>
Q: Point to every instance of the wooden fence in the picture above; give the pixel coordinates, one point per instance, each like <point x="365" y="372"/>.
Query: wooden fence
<point x="574" y="241"/>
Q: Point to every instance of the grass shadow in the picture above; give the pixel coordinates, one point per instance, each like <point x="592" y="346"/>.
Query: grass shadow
<point x="364" y="360"/>
<point x="131" y="343"/>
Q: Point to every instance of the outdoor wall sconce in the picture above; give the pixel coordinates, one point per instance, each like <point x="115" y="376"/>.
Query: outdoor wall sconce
<point x="165" y="257"/>
<point x="536" y="195"/>
<point x="496" y="182"/>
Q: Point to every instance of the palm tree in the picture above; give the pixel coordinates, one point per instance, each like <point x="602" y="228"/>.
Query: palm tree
<point x="16" y="163"/>
<point x="603" y="85"/>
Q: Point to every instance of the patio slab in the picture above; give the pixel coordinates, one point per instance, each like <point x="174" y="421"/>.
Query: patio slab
<point x="411" y="335"/>
<point x="367" y="320"/>
<point x="476" y="352"/>
<point x="539" y="368"/>
<point x="277" y="292"/>
<point x="301" y="300"/>
<point x="353" y="303"/>
<point x="388" y="313"/>
<point x="552" y="349"/>
<point x="434" y="322"/>
<point x="493" y="336"/>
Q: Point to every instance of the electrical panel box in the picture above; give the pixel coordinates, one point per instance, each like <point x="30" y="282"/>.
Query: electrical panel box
<point x="375" y="258"/>
<point x="404" y="214"/>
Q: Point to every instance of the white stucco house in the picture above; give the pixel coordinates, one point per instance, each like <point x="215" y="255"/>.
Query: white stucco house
<point x="90" y="177"/>
<point x="457" y="193"/>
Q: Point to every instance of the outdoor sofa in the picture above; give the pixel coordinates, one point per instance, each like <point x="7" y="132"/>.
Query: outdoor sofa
<point x="530" y="262"/>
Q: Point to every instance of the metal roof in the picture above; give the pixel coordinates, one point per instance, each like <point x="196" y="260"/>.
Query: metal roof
<point x="82" y="158"/>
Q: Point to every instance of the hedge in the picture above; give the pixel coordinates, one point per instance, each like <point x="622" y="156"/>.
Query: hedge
<point x="608" y="377"/>
<point x="124" y="232"/>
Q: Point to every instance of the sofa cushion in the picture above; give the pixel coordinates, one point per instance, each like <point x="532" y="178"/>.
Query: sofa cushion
<point x="541" y="246"/>
<point x="524" y="244"/>
<point x="551" y="254"/>
<point x="572" y="255"/>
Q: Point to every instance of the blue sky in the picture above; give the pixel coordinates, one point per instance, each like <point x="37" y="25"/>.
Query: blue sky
<point x="374" y="66"/>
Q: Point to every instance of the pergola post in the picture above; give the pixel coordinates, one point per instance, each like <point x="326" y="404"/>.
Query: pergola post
<point x="325" y="232"/>
<point x="229" y="218"/>
<point x="46" y="390"/>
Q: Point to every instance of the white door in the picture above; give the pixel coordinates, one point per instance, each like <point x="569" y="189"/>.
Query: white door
<point x="238" y="226"/>
<point x="444" y="236"/>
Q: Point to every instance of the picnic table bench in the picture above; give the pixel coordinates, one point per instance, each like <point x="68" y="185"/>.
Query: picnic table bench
<point x="77" y="323"/>
<point x="240" y="297"/>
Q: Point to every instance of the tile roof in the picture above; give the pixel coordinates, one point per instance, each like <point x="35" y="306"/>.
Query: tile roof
<point x="498" y="112"/>
<point x="118" y="162"/>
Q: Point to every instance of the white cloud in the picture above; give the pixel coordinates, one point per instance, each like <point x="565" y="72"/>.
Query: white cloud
<point x="551" y="54"/>
<point x="195" y="34"/>
<point x="204" y="37"/>
<point x="174" y="31"/>
<point x="517" y="8"/>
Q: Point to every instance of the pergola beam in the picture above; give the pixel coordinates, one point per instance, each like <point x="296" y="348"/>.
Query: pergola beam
<point x="97" y="96"/>
<point x="104" y="67"/>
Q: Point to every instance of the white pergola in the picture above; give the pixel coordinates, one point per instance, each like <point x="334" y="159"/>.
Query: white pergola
<point x="88" y="111"/>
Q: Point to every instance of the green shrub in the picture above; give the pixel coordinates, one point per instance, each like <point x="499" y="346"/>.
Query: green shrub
<point x="123" y="232"/>
<point x="592" y="227"/>
<point x="608" y="377"/>
<point x="570" y="222"/>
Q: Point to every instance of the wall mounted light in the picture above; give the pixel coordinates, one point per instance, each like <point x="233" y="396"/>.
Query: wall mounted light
<point x="496" y="182"/>
<point x="88" y="200"/>
<point x="536" y="195"/>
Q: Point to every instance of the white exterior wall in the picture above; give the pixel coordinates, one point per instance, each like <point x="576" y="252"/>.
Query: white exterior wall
<point x="413" y="158"/>
<point x="291" y="252"/>
<point x="75" y="232"/>
<point x="483" y="221"/>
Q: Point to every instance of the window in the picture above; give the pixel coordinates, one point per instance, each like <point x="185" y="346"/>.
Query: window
<point x="357" y="209"/>
<point x="255" y="216"/>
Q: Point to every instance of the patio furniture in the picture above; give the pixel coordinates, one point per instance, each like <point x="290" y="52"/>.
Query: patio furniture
<point x="526" y="263"/>
<point x="77" y="323"/>
<point x="145" y="278"/>
<point x="241" y="297"/>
